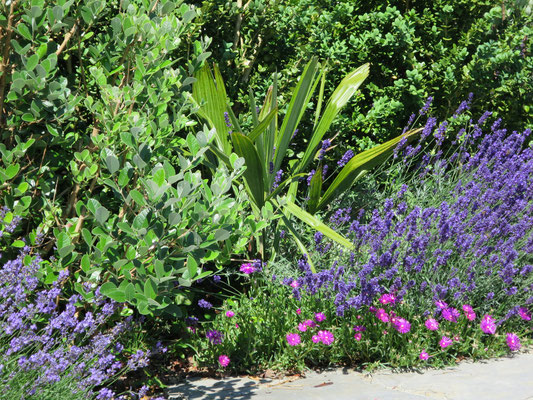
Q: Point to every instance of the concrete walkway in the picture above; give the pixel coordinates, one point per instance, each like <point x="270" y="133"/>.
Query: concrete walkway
<point x="499" y="379"/>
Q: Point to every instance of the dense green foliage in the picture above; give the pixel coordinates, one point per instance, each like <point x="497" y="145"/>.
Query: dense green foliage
<point x="416" y="49"/>
<point x="95" y="105"/>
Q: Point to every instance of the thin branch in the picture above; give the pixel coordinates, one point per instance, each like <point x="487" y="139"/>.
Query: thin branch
<point x="251" y="63"/>
<point x="154" y="6"/>
<point x="238" y="23"/>
<point x="67" y="38"/>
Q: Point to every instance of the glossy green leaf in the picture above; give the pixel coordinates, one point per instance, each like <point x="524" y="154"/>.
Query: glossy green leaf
<point x="32" y="62"/>
<point x="24" y="31"/>
<point x="87" y="237"/>
<point x="192" y="266"/>
<point x="263" y="125"/>
<point x="359" y="163"/>
<point x="109" y="289"/>
<point x="85" y="263"/>
<point x="12" y="171"/>
<point x="129" y="292"/>
<point x="315" y="190"/>
<point x="210" y="94"/>
<point x="150" y="289"/>
<point x="137" y="197"/>
<point x="254" y="174"/>
<point x="298" y="103"/>
<point x="101" y="214"/>
<point x="342" y="94"/>
<point x="111" y="162"/>
<point x="318" y="225"/>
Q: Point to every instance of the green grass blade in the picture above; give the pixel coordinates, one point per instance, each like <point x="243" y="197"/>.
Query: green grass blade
<point x="342" y="94"/>
<point x="299" y="242"/>
<point x="254" y="174"/>
<point x="315" y="190"/>
<point x="320" y="98"/>
<point x="317" y="225"/>
<point x="251" y="100"/>
<point x="297" y="105"/>
<point x="212" y="98"/>
<point x="269" y="136"/>
<point x="359" y="163"/>
<point x="263" y="125"/>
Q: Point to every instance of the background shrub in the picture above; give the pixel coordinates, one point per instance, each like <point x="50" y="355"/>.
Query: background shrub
<point x="416" y="49"/>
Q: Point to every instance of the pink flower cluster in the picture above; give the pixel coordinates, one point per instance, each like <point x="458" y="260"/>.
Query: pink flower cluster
<point x="524" y="314"/>
<point x="223" y="360"/>
<point x="488" y="325"/>
<point x="358" y="335"/>
<point x="247" y="268"/>
<point x="469" y="312"/>
<point x="401" y="325"/>
<point x="432" y="324"/>
<point x="387" y="299"/>
<point x="293" y="339"/>
<point x="325" y="337"/>
<point x="513" y="341"/>
<point x="450" y="314"/>
<point x="309" y="323"/>
<point x="445" y="342"/>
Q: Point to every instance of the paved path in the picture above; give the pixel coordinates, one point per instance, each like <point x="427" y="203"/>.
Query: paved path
<point x="499" y="379"/>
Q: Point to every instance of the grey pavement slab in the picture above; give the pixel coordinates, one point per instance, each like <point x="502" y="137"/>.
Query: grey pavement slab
<point x="498" y="379"/>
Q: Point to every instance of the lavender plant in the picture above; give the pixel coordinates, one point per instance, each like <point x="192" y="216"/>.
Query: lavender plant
<point x="55" y="348"/>
<point x="441" y="269"/>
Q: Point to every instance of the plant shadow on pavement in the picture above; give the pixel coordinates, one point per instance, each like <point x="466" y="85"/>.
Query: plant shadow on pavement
<point x="215" y="391"/>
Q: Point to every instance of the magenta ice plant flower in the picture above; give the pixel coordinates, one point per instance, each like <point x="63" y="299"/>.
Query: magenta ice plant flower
<point x="524" y="314"/>
<point x="310" y="323"/>
<point x="247" y="268"/>
<point x="432" y="324"/>
<point x="424" y="355"/>
<point x="357" y="336"/>
<point x="488" y="325"/>
<point x="513" y="341"/>
<point x="230" y="314"/>
<point x="320" y="317"/>
<point x="382" y="315"/>
<point x="469" y="312"/>
<point x="299" y="311"/>
<point x="450" y="314"/>
<point x="293" y="339"/>
<point x="471" y="316"/>
<point x="326" y="337"/>
<point x="402" y="325"/>
<point x="445" y="342"/>
<point x="316" y="339"/>
<point x="223" y="360"/>
<point x="467" y="308"/>
<point x="387" y="299"/>
<point x="441" y="304"/>
<point x="302" y="327"/>
<point x="295" y="284"/>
